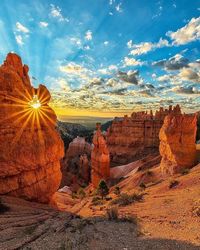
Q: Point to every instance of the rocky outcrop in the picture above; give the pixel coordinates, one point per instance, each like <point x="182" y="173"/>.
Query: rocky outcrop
<point x="177" y="143"/>
<point x="131" y="138"/>
<point x="100" y="158"/>
<point x="30" y="147"/>
<point x="76" y="164"/>
<point x="84" y="170"/>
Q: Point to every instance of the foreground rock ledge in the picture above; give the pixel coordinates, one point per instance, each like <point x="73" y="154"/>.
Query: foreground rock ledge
<point x="30" y="147"/>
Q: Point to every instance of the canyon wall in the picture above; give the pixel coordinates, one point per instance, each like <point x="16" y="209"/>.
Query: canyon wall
<point x="100" y="158"/>
<point x="76" y="165"/>
<point x="177" y="143"/>
<point x="130" y="138"/>
<point x="30" y="147"/>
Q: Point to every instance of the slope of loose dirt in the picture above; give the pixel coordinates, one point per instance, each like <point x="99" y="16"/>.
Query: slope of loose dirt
<point x="164" y="213"/>
<point x="39" y="227"/>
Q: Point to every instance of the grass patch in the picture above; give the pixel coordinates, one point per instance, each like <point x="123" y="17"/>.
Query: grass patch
<point x="126" y="199"/>
<point x="185" y="171"/>
<point x="97" y="201"/>
<point x="173" y="183"/>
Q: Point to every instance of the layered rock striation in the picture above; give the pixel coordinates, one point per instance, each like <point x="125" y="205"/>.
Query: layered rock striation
<point x="100" y="158"/>
<point x="177" y="143"/>
<point x="30" y="147"/>
<point x="130" y="138"/>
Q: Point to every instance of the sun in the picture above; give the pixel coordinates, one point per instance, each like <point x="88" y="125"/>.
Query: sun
<point x="35" y="103"/>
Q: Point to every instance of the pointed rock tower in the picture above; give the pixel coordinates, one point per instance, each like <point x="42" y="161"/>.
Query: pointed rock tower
<point x="100" y="158"/>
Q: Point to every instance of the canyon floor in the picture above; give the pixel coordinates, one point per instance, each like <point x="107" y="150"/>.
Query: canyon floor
<point x="164" y="219"/>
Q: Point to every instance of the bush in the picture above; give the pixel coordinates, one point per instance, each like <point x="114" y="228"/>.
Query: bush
<point x="142" y="185"/>
<point x="149" y="173"/>
<point x="126" y="199"/>
<point x="117" y="190"/>
<point x="103" y="189"/>
<point x="81" y="193"/>
<point x="185" y="171"/>
<point x="96" y="201"/>
<point x="3" y="208"/>
<point x="173" y="183"/>
<point x="112" y="213"/>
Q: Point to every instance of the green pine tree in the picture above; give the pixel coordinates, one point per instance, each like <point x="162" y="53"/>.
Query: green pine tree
<point x="103" y="189"/>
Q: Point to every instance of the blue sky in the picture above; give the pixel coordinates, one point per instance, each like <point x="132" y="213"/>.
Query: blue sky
<point x="104" y="57"/>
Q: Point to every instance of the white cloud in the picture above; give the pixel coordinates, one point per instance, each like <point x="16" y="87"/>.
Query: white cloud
<point x="188" y="74"/>
<point x="106" y="43"/>
<point x="19" y="40"/>
<point x="88" y="35"/>
<point x="87" y="47"/>
<point x="130" y="44"/>
<point x="75" y="40"/>
<point x="145" y="47"/>
<point x="118" y="7"/>
<point x="43" y="24"/>
<point x="132" y="62"/>
<point x="56" y="13"/>
<point x="190" y="32"/>
<point x="112" y="67"/>
<point x="21" y="28"/>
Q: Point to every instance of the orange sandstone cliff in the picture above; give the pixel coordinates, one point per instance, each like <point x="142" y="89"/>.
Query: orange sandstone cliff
<point x="100" y="158"/>
<point x="177" y="143"/>
<point x="130" y="138"/>
<point x="30" y="147"/>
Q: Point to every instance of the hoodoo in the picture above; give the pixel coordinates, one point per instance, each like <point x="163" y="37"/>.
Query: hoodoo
<point x="30" y="147"/>
<point x="177" y="143"/>
<point x="100" y="158"/>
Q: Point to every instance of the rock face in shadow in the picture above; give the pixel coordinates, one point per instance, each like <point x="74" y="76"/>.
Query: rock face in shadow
<point x="177" y="143"/>
<point x="130" y="138"/>
<point x="30" y="147"/>
<point x="100" y="158"/>
<point x="76" y="164"/>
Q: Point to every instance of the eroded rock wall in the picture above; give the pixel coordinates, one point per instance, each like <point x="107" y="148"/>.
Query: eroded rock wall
<point x="130" y="138"/>
<point x="177" y="143"/>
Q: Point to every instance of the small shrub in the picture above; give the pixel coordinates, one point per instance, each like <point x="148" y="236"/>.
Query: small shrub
<point x="126" y="199"/>
<point x="142" y="185"/>
<point x="74" y="195"/>
<point x="173" y="183"/>
<point x="196" y="211"/>
<point x="3" y="208"/>
<point x="185" y="171"/>
<point x="81" y="193"/>
<point x="112" y="213"/>
<point x="117" y="190"/>
<point x="130" y="219"/>
<point x="196" y="208"/>
<point x="149" y="173"/>
<point x="96" y="201"/>
<point x="103" y="189"/>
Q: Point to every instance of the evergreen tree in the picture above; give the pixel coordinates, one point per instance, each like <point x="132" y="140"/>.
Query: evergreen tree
<point x="103" y="189"/>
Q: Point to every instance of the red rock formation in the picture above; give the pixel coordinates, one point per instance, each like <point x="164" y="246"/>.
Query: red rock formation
<point x="177" y="143"/>
<point x="30" y="147"/>
<point x="130" y="138"/>
<point x="72" y="165"/>
<point x="100" y="158"/>
<point x="84" y="168"/>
